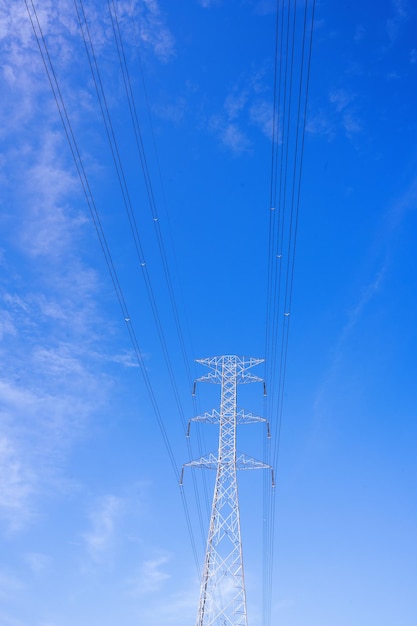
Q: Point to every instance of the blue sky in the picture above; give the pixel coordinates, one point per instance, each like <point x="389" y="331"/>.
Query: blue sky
<point x="92" y="525"/>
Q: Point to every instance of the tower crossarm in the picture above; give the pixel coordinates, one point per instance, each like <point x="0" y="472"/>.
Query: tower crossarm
<point x="249" y="418"/>
<point x="210" y="462"/>
<point x="249" y="378"/>
<point x="245" y="462"/>
<point x="208" y="418"/>
<point x="217" y="364"/>
<point x="241" y="418"/>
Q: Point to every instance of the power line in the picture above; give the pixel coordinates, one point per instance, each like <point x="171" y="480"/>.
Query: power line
<point x="156" y="222"/>
<point x="68" y="130"/>
<point x="285" y="186"/>
<point x="99" y="88"/>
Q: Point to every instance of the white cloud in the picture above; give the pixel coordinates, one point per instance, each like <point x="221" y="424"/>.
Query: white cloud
<point x="399" y="16"/>
<point x="9" y="585"/>
<point x="151" y="576"/>
<point x="261" y="114"/>
<point x="321" y="124"/>
<point x="127" y="359"/>
<point x="230" y="135"/>
<point x="59" y="22"/>
<point x="58" y="362"/>
<point x="172" y="111"/>
<point x="235" y="103"/>
<point x="6" y="326"/>
<point x="341" y="115"/>
<point x="154" y="32"/>
<point x="184" y="604"/>
<point x="39" y="425"/>
<point x="207" y="4"/>
<point x="342" y="101"/>
<point x="341" y="98"/>
<point x="246" y="109"/>
<point x="49" y="227"/>
<point x="395" y="214"/>
<point x="25" y="79"/>
<point x="17" y="485"/>
<point x="99" y="539"/>
<point x="403" y="205"/>
<point x="52" y="367"/>
<point x="50" y="385"/>
<point x="37" y="562"/>
<point x="369" y="291"/>
<point x="235" y="139"/>
<point x="351" y="124"/>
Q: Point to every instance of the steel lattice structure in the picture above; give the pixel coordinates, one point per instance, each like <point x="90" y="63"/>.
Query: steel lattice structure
<point x="222" y="596"/>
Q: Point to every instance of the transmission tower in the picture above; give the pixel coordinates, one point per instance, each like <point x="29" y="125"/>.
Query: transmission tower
<point x="222" y="596"/>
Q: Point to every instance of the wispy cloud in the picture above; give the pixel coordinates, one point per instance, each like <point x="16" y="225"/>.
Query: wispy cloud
<point x="18" y="482"/>
<point x="395" y="215"/>
<point x="341" y="98"/>
<point x="262" y="116"/>
<point x="369" y="291"/>
<point x="141" y="22"/>
<point x="42" y="416"/>
<point x="127" y="359"/>
<point x="154" y="32"/>
<point x="235" y="103"/>
<point x="342" y="114"/>
<point x="151" y="576"/>
<point x="38" y="562"/>
<point x="50" y="368"/>
<point x="184" y="604"/>
<point x="9" y="585"/>
<point x="99" y="539"/>
<point x="399" y="209"/>
<point x="351" y="124"/>
<point x="231" y="136"/>
<point x="400" y="13"/>
<point x="171" y="111"/>
<point x="354" y="315"/>
<point x="245" y="109"/>
<point x="207" y="4"/>
<point x="319" y="123"/>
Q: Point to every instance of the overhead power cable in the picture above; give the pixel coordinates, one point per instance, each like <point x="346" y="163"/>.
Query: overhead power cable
<point x="293" y="48"/>
<point x="156" y="222"/>
<point x="72" y="143"/>
<point x="126" y="197"/>
<point x="127" y="201"/>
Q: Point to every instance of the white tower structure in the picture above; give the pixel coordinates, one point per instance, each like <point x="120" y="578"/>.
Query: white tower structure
<point x="222" y="596"/>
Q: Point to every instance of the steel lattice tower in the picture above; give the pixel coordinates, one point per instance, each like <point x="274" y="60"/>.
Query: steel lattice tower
<point x="222" y="596"/>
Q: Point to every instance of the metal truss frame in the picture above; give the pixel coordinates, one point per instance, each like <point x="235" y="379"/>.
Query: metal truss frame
<point x="222" y="595"/>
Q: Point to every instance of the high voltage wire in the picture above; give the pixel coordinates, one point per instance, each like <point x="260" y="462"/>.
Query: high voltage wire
<point x="285" y="185"/>
<point x="288" y="136"/>
<point x="68" y="130"/>
<point x="155" y="218"/>
<point x="99" y="88"/>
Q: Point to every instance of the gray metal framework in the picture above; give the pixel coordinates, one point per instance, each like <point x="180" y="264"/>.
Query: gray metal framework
<point x="222" y="596"/>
